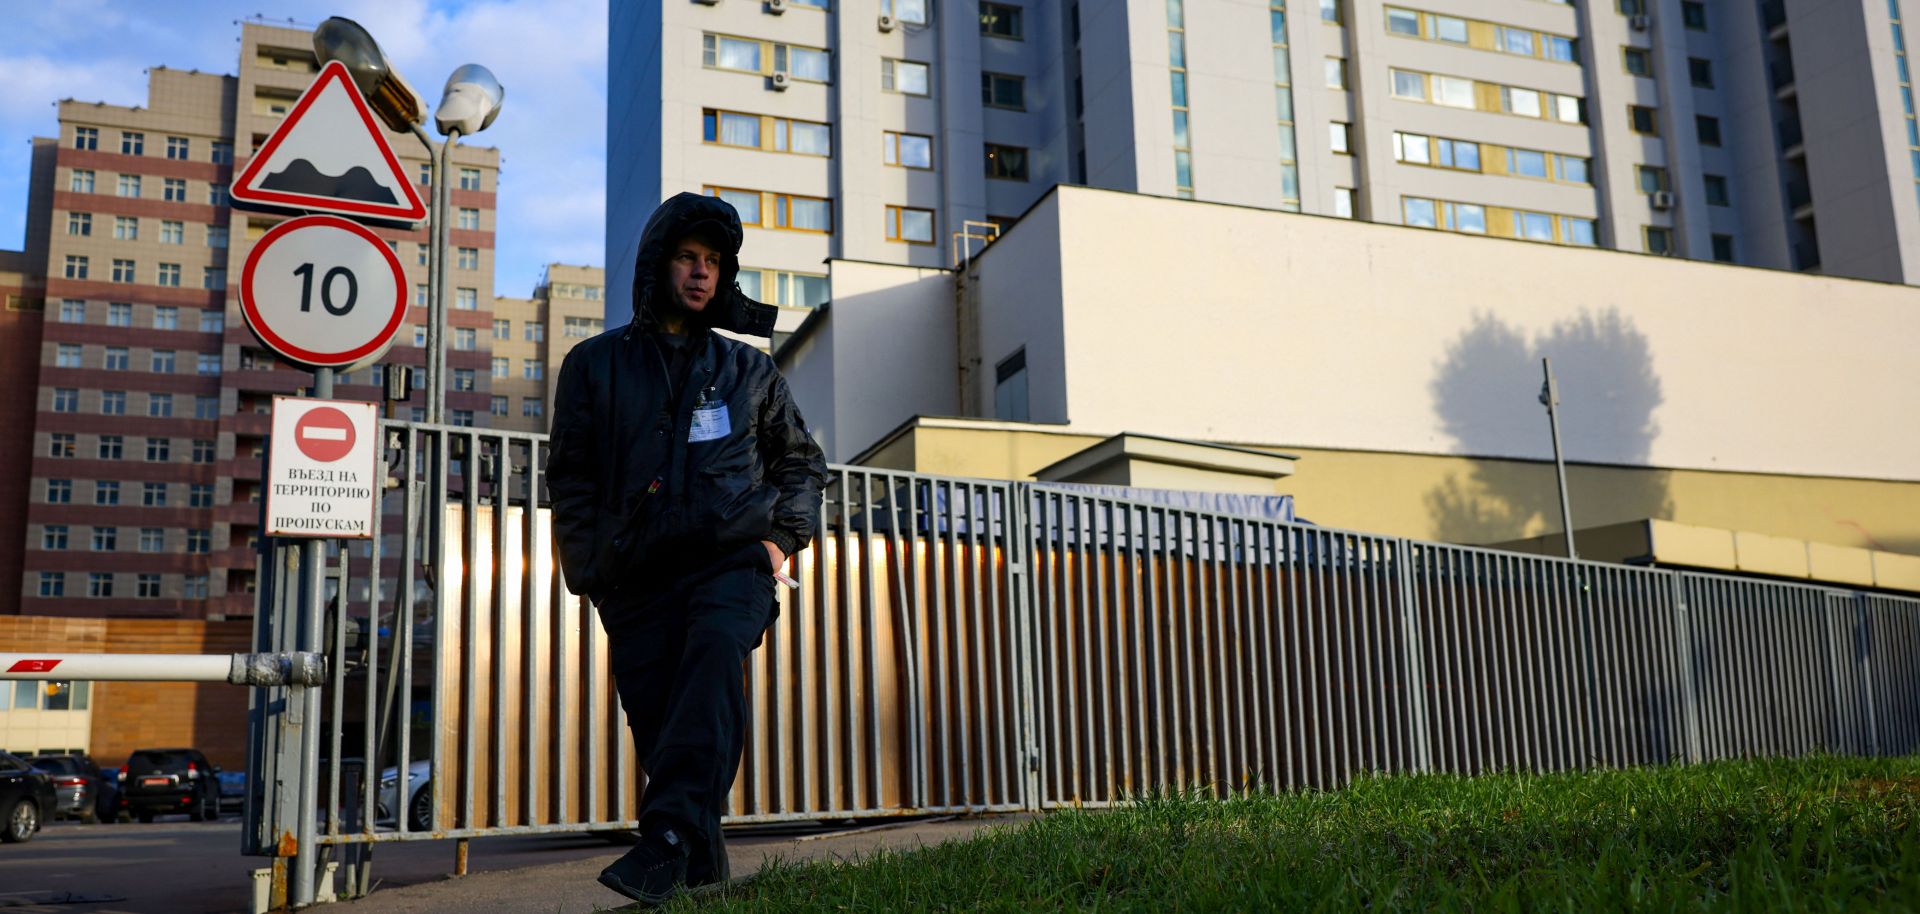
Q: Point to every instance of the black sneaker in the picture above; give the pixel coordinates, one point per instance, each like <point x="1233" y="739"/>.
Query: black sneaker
<point x="654" y="871"/>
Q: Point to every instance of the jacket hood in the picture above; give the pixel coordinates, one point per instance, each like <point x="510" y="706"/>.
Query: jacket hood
<point x="731" y="309"/>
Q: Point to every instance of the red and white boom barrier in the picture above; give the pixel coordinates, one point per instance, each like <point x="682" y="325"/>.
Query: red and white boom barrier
<point x="282" y="669"/>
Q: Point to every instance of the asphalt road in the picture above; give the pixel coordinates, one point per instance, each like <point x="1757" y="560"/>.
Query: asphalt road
<point x="174" y="866"/>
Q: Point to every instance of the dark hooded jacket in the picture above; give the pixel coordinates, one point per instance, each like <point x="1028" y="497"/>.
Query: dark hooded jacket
<point x="632" y="494"/>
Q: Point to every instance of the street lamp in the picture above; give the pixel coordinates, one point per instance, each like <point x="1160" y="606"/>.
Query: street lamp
<point x="391" y="97"/>
<point x="468" y="105"/>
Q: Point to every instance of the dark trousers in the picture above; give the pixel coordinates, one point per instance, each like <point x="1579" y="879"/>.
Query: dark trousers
<point x="676" y="644"/>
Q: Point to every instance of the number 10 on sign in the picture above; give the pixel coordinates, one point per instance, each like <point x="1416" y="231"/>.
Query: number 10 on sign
<point x="323" y="292"/>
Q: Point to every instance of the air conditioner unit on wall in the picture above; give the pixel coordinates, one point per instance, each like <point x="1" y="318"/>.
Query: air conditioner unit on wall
<point x="780" y="80"/>
<point x="1640" y="22"/>
<point x="1662" y="199"/>
<point x="776" y="7"/>
<point x="887" y="23"/>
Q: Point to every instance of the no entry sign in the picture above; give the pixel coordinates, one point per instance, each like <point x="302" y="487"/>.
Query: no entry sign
<point x="323" y="470"/>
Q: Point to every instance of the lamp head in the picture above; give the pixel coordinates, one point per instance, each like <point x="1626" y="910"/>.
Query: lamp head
<point x="392" y="98"/>
<point x="470" y="102"/>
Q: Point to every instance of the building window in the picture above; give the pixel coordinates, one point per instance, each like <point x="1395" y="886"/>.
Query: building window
<point x="1182" y="112"/>
<point x="1658" y="240"/>
<point x="106" y="492"/>
<point x="153" y="494"/>
<point x="535" y="332"/>
<point x="80" y="181"/>
<point x="463" y="379"/>
<point x="501" y="367"/>
<point x="532" y="408"/>
<point x="153" y="539"/>
<point x="1652" y="180"/>
<point x="1336" y="73"/>
<point x="110" y="447"/>
<point x="1642" y="119"/>
<point x="87" y="138"/>
<point x="1717" y="190"/>
<point x="59" y="491"/>
<point x="122" y="270"/>
<point x="422" y="254"/>
<point x="1637" y="61"/>
<point x="166" y="317"/>
<point x="497" y="405"/>
<point x="419" y="337"/>
<point x="906" y="77"/>
<point x="66" y="355"/>
<point x="469" y="179"/>
<point x="132" y="143"/>
<point x="53" y="584"/>
<point x="1010" y="387"/>
<point x="194" y="587"/>
<point x="908" y="150"/>
<point x="61" y="444"/>
<point x="173" y="190"/>
<point x="908" y="224"/>
<point x="222" y="154"/>
<point x="1693" y="14"/>
<point x="99" y="584"/>
<point x="82" y="223"/>
<point x="216" y="236"/>
<point x="469" y="258"/>
<point x="66" y="400"/>
<point x="466" y="299"/>
<point x="113" y="403"/>
<point x="213" y="278"/>
<point x="772" y="134"/>
<point x="1708" y="129"/>
<point x="763" y="209"/>
<point x="1701" y="72"/>
<point x="1006" y="163"/>
<point x="1343" y="202"/>
<point x="532" y="369"/>
<point x="73" y="311"/>
<point x="128" y="186"/>
<point x="159" y="449"/>
<point x="207" y="364"/>
<point x="469" y="218"/>
<point x="583" y="327"/>
<point x="461" y="417"/>
<point x="119" y="314"/>
<point x="1578" y="231"/>
<point x="465" y="338"/>
<point x="1000" y="20"/>
<point x="206" y="407"/>
<point x="53" y="537"/>
<point x="910" y="11"/>
<point x="1723" y="248"/>
<point x="503" y="329"/>
<point x="162" y="361"/>
<point x="1003" y="90"/>
<point x="199" y="540"/>
<point x="1338" y="138"/>
<point x="168" y="275"/>
<point x="172" y="231"/>
<point x="213" y="322"/>
<point x="204" y="450"/>
<point x="76" y="267"/>
<point x="159" y="406"/>
<point x="420" y="295"/>
<point x="748" y="55"/>
<point x="217" y="195"/>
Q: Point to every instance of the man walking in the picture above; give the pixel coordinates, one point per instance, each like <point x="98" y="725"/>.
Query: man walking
<point x="682" y="477"/>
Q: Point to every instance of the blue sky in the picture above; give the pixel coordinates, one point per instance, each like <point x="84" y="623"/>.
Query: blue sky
<point x="550" y="54"/>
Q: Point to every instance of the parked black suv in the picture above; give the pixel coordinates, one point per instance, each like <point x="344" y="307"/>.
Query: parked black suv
<point x="160" y="781"/>
<point x="75" y="779"/>
<point x="26" y="799"/>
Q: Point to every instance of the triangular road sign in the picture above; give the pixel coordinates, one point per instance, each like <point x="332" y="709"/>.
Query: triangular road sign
<point x="331" y="156"/>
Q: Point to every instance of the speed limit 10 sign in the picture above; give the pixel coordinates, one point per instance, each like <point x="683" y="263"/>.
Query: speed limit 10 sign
<point x="323" y="292"/>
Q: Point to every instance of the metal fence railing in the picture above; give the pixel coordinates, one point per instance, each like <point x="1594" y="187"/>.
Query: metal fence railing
<point x="969" y="645"/>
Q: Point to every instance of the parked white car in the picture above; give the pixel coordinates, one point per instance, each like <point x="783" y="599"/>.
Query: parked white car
<point x="419" y="804"/>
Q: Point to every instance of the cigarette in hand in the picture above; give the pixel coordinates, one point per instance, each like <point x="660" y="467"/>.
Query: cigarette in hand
<point x="782" y="578"/>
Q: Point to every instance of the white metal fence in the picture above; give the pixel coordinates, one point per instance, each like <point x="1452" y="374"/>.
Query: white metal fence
<point x="966" y="645"/>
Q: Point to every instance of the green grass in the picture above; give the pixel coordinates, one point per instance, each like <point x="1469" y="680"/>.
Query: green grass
<point x="1802" y="835"/>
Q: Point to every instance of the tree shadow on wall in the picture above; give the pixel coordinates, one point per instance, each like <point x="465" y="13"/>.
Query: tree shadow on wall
<point x="1486" y="391"/>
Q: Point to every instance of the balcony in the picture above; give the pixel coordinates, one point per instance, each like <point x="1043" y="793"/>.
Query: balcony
<point x="1799" y="195"/>
<point x="1792" y="139"/>
<point x="1780" y="78"/>
<point x="1773" y="15"/>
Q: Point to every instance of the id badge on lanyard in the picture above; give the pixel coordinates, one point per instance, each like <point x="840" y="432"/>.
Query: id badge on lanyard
<point x="710" y="421"/>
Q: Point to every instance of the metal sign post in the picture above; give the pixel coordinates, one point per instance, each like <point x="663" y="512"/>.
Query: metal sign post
<point x="1550" y="397"/>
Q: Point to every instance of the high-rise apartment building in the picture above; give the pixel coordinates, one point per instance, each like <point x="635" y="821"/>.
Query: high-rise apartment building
<point x="1771" y="133"/>
<point x="532" y="335"/>
<point x="152" y="397"/>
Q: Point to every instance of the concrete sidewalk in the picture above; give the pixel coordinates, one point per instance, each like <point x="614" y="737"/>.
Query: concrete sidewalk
<point x="569" y="887"/>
